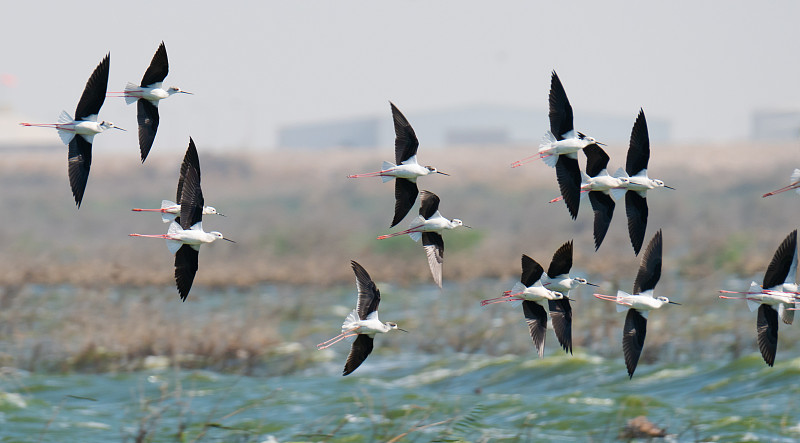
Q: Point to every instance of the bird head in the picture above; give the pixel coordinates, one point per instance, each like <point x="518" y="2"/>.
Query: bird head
<point x="582" y="281"/>
<point x="456" y="223"/>
<point x="219" y="235"/>
<point x="177" y="90"/>
<point x="393" y="325"/>
<point x="433" y="170"/>
<point x="624" y="180"/>
<point x="558" y="295"/>
<point x="210" y="210"/>
<point x="661" y="184"/>
<point x="663" y="299"/>
<point x="108" y="125"/>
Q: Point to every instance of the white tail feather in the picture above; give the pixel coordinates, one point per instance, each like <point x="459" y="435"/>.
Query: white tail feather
<point x="385" y="167"/>
<point x="621" y="296"/>
<point x="129" y="89"/>
<point x="350" y="322"/>
<point x="617" y="193"/>
<point x="167" y="217"/>
<point x="418" y="220"/>
<point x="795" y="176"/>
<point x="64" y="118"/>
<point x="173" y="245"/>
<point x="785" y="314"/>
<point x="756" y="288"/>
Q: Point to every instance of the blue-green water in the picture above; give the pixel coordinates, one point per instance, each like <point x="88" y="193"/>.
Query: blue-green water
<point x="472" y="397"/>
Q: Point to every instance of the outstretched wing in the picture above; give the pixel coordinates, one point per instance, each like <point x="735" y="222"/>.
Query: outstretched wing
<point x="782" y="262"/>
<point x="767" y="330"/>
<point x="368" y="294"/>
<point x="158" y="69"/>
<point x="531" y="271"/>
<point x="560" y="109"/>
<point x="568" y="174"/>
<point x="405" y="193"/>
<point x="603" y="207"/>
<point x="147" y="117"/>
<point x="639" y="149"/>
<point x="562" y="261"/>
<point x="650" y="268"/>
<point x="405" y="142"/>
<point x="536" y="317"/>
<point x="434" y="249"/>
<point x="79" y="161"/>
<point x="561" y="315"/>
<point x="94" y="94"/>
<point x="359" y="352"/>
<point x="428" y="204"/>
<point x="636" y="210"/>
<point x="633" y="339"/>
<point x="186" y="263"/>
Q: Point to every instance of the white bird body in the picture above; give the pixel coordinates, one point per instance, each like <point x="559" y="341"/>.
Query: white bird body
<point x="562" y="283"/>
<point x="641" y="183"/>
<point x="194" y="236"/>
<point x="409" y="170"/>
<point x="605" y="182"/>
<point x="436" y="223"/>
<point x="535" y="293"/>
<point x="776" y="296"/>
<point x="550" y="148"/>
<point x="370" y="326"/>
<point x="643" y="302"/>
<point x="153" y="93"/>
<point x="170" y="210"/>
<point x="89" y="127"/>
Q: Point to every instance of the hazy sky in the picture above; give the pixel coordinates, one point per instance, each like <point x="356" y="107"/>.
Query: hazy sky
<point x="255" y="66"/>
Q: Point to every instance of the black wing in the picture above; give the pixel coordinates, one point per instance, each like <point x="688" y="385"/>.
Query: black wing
<point x="191" y="201"/>
<point x="603" y="207"/>
<point x="185" y="269"/>
<point x="767" y="329"/>
<point x="368" y="294"/>
<point x="94" y="94"/>
<point x="636" y="209"/>
<point x="405" y="142"/>
<point x="568" y="174"/>
<point x="536" y="317"/>
<point x="434" y="249"/>
<point x="560" y="109"/>
<point x="79" y="161"/>
<point x="158" y="69"/>
<point x="782" y="262"/>
<point x="428" y="204"/>
<point x="639" y="149"/>
<point x="190" y="160"/>
<point x="147" y="116"/>
<point x="650" y="269"/>
<point x="359" y="352"/>
<point x="561" y="315"/>
<point x="531" y="271"/>
<point x="405" y="193"/>
<point x="633" y="339"/>
<point x="596" y="159"/>
<point x="562" y="261"/>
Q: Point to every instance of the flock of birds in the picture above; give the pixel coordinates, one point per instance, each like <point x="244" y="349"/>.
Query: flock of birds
<point x="537" y="291"/>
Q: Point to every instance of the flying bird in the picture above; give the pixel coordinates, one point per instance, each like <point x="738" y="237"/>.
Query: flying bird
<point x="185" y="234"/>
<point x="363" y="323"/>
<point x="406" y="170"/>
<point x="640" y="303"/>
<point x="775" y="297"/>
<point x="147" y="95"/>
<point x="533" y="295"/>
<point x="85" y="125"/>
<point x="794" y="183"/>
<point x="428" y="226"/>
<point x="638" y="182"/>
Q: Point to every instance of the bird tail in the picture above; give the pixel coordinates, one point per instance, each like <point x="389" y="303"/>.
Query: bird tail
<point x="385" y="167"/>
<point x="617" y="193"/>
<point x="418" y="220"/>
<point x="796" y="177"/>
<point x="621" y="296"/>
<point x="350" y="322"/>
<point x="129" y="97"/>
<point x="516" y="289"/>
<point x="167" y="217"/>
<point x="174" y="245"/>
<point x="66" y="136"/>
<point x="754" y="288"/>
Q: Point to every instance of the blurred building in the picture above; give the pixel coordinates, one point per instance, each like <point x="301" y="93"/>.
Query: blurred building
<point x="463" y="125"/>
<point x="776" y="125"/>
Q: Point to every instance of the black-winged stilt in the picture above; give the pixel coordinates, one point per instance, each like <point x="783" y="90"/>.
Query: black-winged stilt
<point x="429" y="225"/>
<point x="640" y="303"/>
<point x="779" y="289"/>
<point x="530" y="291"/>
<point x="794" y="183"/>
<point x="84" y="124"/>
<point x="363" y="323"/>
<point x="147" y="95"/>
<point x="406" y="170"/>
<point x="185" y="234"/>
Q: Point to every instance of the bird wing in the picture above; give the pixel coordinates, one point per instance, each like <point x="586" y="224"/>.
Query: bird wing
<point x="633" y="339"/>
<point x="596" y="159"/>
<point x="536" y="317"/>
<point x="568" y="174"/>
<point x="158" y="69"/>
<point x="783" y="260"/>
<point x="560" y="109"/>
<point x="561" y="315"/>
<point x="603" y="207"/>
<point x="767" y="329"/>
<point x="368" y="294"/>
<point x="650" y="269"/>
<point x="639" y="148"/>
<point x="359" y="352"/>
<point x="562" y="260"/>
<point x="636" y="210"/>
<point x="428" y="204"/>
<point x="79" y="162"/>
<point x="185" y="269"/>
<point x="191" y="159"/>
<point x="531" y="271"/>
<point x="191" y="195"/>
<point x="147" y="116"/>
<point x="94" y="94"/>
<point x="405" y="193"/>
<point x="405" y="142"/>
<point x="434" y="249"/>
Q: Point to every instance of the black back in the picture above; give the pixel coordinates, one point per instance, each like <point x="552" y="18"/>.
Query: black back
<point x="531" y="271"/>
<point x="639" y="149"/>
<point x="650" y="269"/>
<point x="767" y="332"/>
<point x="186" y="263"/>
<point x="368" y="294"/>
<point x="147" y="117"/>
<point x="561" y="315"/>
<point x="79" y="160"/>
<point x="359" y="352"/>
<point x="633" y="339"/>
<point x="190" y="193"/>
<point x="536" y="317"/>
<point x="596" y="159"/>
<point x="782" y="262"/>
<point x="405" y="193"/>
<point x="603" y="207"/>
<point x="636" y="210"/>
<point x="158" y="69"/>
<point x="562" y="260"/>
<point x="94" y="94"/>
<point x="428" y="204"/>
<point x="405" y="142"/>
<point x="568" y="174"/>
<point x="560" y="109"/>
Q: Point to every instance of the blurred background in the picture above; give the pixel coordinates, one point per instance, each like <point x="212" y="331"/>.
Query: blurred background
<point x="290" y="98"/>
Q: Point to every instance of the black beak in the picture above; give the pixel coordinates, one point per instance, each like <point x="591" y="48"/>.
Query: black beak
<point x="443" y="173"/>
<point x="592" y="284"/>
<point x="228" y="240"/>
<point x="401" y="330"/>
<point x="669" y="187"/>
<point x="674" y="303"/>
